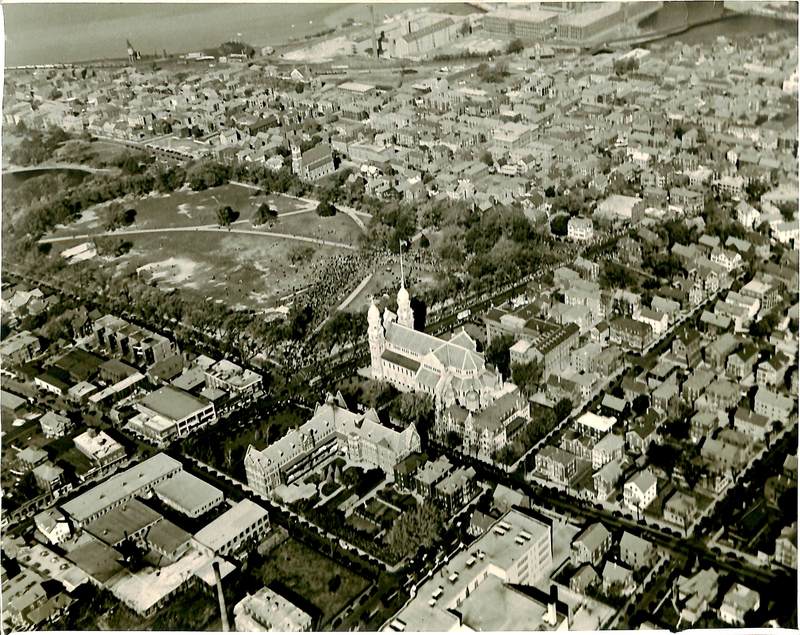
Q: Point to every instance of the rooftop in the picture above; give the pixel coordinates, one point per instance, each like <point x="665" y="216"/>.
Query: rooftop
<point x="186" y="491"/>
<point x="173" y="403"/>
<point x="122" y="522"/>
<point x="229" y="525"/>
<point x="119" y="486"/>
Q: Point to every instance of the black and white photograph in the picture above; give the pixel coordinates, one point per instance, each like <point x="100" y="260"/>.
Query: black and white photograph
<point x="399" y="317"/>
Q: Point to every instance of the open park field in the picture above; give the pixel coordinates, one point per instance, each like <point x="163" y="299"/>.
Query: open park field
<point x="243" y="270"/>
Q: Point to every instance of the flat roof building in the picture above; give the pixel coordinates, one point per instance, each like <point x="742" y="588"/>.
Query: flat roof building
<point x="188" y="494"/>
<point x="169" y="413"/>
<point x="268" y="611"/>
<point x="472" y="591"/>
<point x="120" y="488"/>
<point x="244" y="521"/>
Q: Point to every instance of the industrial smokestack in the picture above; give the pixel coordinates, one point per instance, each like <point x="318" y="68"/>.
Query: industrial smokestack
<point x="223" y="612"/>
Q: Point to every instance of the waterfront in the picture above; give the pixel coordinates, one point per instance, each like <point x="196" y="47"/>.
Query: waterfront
<point x="57" y="33"/>
<point x="710" y="21"/>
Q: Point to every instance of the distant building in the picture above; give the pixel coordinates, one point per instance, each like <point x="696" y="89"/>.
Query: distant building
<point x="136" y="344"/>
<point x="268" y="611"/>
<point x="236" y="381"/>
<point x="20" y="348"/>
<point x="786" y="547"/>
<point x="526" y="25"/>
<point x="628" y="209"/>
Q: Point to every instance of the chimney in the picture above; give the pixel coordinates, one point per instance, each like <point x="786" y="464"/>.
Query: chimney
<point x="223" y="612"/>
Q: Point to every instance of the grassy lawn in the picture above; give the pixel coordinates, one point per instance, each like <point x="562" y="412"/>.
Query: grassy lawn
<point x="339" y="228"/>
<point x="243" y="271"/>
<point x="320" y="584"/>
<point x="284" y="203"/>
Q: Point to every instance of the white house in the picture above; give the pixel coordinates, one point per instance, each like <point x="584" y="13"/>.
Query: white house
<point x="640" y="491"/>
<point x="580" y="229"/>
<point x="657" y="320"/>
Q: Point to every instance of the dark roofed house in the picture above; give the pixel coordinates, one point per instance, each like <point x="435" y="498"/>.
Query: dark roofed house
<point x="79" y="364"/>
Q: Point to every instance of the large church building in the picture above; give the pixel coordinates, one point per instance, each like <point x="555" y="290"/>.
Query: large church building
<point x="451" y="371"/>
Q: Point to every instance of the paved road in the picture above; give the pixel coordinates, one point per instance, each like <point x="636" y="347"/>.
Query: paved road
<point x="202" y="228"/>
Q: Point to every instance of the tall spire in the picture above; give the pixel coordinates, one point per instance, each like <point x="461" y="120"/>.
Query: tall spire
<point x="402" y="275"/>
<point x="405" y="314"/>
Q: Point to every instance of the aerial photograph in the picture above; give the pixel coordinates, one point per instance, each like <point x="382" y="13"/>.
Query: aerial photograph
<point x="403" y="317"/>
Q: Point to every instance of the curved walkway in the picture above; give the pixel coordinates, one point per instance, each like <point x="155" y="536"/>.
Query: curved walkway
<point x="18" y="169"/>
<point x="202" y="228"/>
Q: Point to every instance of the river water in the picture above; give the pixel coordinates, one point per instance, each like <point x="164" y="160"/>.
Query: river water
<point x="53" y="33"/>
<point x="57" y="33"/>
<point x="678" y="14"/>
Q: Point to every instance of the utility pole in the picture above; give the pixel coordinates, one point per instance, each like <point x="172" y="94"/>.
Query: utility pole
<point x="374" y="35"/>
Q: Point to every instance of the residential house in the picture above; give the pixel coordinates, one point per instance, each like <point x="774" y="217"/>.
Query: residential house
<point x="591" y="545"/>
<point x="610" y="448"/>
<point x="555" y="464"/>
<point x="756" y="427"/>
<point x="640" y="491"/>
<point x="636" y="552"/>
<point x="680" y="509"/>
<point x="617" y="580"/>
<point x="737" y="603"/>
<point x="695" y="594"/>
<point x="605" y="480"/>
<point x="741" y="363"/>
<point x="771" y="372"/>
<point x="772" y="405"/>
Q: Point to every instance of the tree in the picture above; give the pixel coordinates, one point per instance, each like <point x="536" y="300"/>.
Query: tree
<point x="486" y="157"/>
<point x="452" y="439"/>
<point x="420" y="527"/>
<point x="498" y="355"/>
<point x="528" y="376"/>
<point x="558" y="226"/>
<point x="265" y="214"/>
<point x="515" y="46"/>
<point x="411" y="407"/>
<point x="226" y="215"/>
<point x="117" y="216"/>
<point x="334" y="583"/>
<point x="640" y="404"/>
<point x="562" y="409"/>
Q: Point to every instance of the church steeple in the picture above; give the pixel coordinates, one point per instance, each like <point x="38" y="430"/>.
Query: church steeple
<point x="405" y="314"/>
